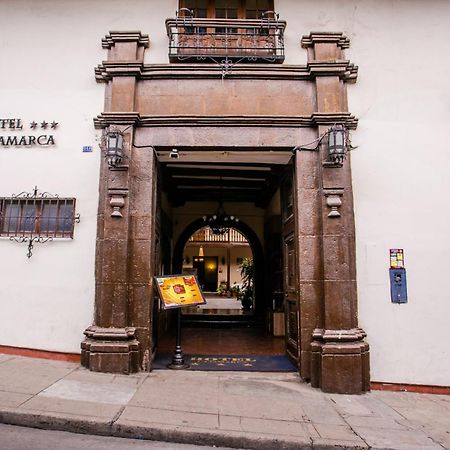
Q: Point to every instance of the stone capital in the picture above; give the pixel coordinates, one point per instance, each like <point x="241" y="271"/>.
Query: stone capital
<point x="325" y="37"/>
<point x="328" y="119"/>
<point x="108" y="118"/>
<point x="343" y="69"/>
<point x="114" y="37"/>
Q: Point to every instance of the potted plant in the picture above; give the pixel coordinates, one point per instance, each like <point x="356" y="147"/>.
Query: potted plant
<point x="246" y="291"/>
<point x="235" y="290"/>
<point x="222" y="290"/>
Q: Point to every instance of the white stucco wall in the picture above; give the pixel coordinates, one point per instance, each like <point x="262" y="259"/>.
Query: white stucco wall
<point x="48" y="52"/>
<point x="401" y="186"/>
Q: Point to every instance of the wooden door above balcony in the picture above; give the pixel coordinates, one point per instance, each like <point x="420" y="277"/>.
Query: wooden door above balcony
<point x="243" y="40"/>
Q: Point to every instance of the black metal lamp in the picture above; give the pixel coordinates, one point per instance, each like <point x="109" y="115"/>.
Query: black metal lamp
<point x="114" y="148"/>
<point x="337" y="144"/>
<point x="220" y="222"/>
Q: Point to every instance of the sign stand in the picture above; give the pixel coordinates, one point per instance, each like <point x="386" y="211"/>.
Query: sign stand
<point x="178" y="291"/>
<point x="178" y="358"/>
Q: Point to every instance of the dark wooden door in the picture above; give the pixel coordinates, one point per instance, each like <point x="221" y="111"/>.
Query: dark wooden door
<point x="290" y="267"/>
<point x="207" y="272"/>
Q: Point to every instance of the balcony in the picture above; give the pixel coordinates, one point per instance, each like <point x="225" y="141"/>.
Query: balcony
<point x="205" y="235"/>
<point x="235" y="40"/>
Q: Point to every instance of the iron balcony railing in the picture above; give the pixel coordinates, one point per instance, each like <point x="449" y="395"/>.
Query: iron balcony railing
<point x="243" y="40"/>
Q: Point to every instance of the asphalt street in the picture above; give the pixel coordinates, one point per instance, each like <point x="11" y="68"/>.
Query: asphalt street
<point x="21" y="438"/>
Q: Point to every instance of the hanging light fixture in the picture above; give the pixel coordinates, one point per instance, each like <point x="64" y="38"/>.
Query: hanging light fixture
<point x="220" y="222"/>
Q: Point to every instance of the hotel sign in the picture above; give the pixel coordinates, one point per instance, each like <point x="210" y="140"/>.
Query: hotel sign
<point x="35" y="134"/>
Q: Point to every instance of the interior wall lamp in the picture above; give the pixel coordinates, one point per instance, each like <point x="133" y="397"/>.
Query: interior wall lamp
<point x="337" y="142"/>
<point x="114" y="147"/>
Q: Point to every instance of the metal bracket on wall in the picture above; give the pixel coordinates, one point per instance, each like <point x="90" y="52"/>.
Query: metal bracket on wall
<point x="30" y="240"/>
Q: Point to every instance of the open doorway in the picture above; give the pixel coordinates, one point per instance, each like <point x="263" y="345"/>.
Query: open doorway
<point x="223" y="264"/>
<point x="195" y="186"/>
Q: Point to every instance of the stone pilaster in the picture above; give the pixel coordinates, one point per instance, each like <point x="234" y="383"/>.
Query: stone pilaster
<point x="112" y="342"/>
<point x="339" y="354"/>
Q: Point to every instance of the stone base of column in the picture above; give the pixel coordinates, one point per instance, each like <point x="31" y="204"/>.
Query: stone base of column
<point x="114" y="350"/>
<point x="340" y="361"/>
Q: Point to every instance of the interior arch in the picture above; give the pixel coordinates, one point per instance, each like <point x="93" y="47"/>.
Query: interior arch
<point x="255" y="245"/>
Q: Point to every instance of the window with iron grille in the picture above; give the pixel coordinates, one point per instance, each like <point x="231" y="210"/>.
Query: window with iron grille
<point x="44" y="217"/>
<point x="227" y="9"/>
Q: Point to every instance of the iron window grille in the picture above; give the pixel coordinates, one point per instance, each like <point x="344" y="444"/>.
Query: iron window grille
<point x="37" y="217"/>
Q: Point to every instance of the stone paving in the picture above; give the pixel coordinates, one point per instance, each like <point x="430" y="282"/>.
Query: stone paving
<point x="233" y="409"/>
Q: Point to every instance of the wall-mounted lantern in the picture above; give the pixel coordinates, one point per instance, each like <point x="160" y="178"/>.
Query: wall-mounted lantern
<point x="114" y="148"/>
<point x="338" y="144"/>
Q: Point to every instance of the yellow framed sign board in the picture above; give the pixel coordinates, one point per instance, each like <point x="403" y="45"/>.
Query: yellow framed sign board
<point x="177" y="291"/>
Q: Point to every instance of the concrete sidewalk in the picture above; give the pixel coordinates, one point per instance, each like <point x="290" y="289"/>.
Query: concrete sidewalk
<point x="229" y="409"/>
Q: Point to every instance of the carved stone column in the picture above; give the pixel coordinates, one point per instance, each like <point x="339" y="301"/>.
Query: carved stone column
<point x="340" y="357"/>
<point x="111" y="343"/>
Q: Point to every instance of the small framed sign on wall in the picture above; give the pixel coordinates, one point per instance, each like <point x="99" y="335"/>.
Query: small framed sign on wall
<point x="397" y="259"/>
<point x="397" y="276"/>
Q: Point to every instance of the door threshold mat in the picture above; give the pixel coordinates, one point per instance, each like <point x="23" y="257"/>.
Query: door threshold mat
<point x="241" y="363"/>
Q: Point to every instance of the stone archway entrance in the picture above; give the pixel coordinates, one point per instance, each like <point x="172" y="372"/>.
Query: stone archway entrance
<point x="318" y="274"/>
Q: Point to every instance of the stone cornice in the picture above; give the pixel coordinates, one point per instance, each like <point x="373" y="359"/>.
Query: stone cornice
<point x="125" y="36"/>
<point x="344" y="69"/>
<point x="109" y="69"/>
<point x="239" y="71"/>
<point x="225" y="121"/>
<point x="332" y="118"/>
<point x="341" y="68"/>
<point x="134" y="118"/>
<point x="321" y="37"/>
<point x="116" y="118"/>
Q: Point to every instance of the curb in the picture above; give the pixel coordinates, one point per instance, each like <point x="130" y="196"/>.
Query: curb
<point x="164" y="433"/>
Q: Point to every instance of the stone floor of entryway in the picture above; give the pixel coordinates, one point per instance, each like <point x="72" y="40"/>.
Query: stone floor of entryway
<point x="225" y="341"/>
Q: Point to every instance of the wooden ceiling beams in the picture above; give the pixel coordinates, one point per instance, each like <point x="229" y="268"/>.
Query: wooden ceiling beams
<point x="185" y="182"/>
